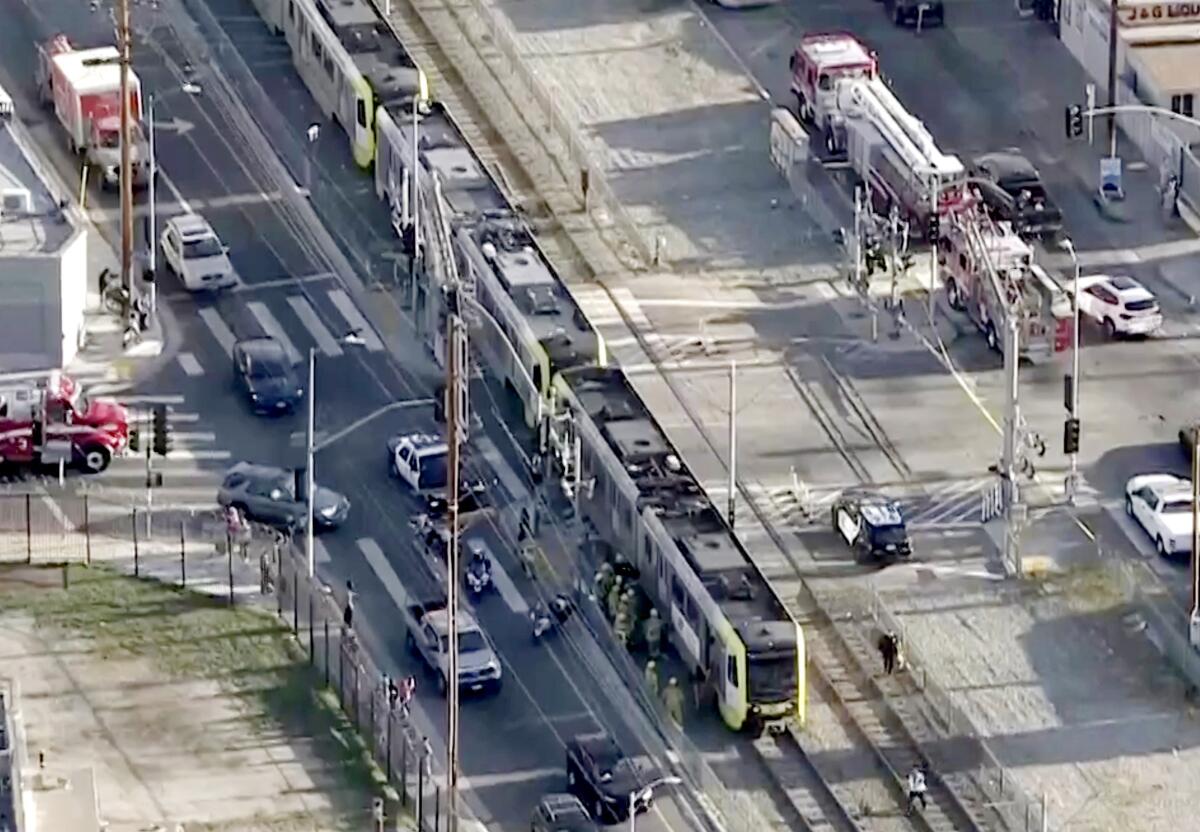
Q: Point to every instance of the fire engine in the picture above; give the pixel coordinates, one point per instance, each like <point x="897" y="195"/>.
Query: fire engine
<point x="982" y="259"/>
<point x="838" y="87"/>
<point x="48" y="420"/>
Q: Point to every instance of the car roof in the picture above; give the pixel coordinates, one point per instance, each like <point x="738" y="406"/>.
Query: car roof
<point x="440" y="619"/>
<point x="263" y="346"/>
<point x="425" y="442"/>
<point x="1128" y="288"/>
<point x="557" y="805"/>
<point x="255" y="470"/>
<point x="1008" y="164"/>
<point x="192" y="225"/>
<point x="600" y="745"/>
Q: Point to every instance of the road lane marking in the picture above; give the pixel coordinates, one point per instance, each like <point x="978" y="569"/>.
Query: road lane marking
<point x="355" y="318"/>
<point x="312" y="322"/>
<point x="267" y="320"/>
<point x="216" y="325"/>
<point x="504" y="585"/>
<point x="513" y="484"/>
<point x="189" y="364"/>
<point x="383" y="570"/>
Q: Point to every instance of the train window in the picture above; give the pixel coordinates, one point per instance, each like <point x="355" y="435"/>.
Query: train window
<point x="361" y="113"/>
<point x="292" y="10"/>
<point x="731" y="670"/>
<point x="677" y="594"/>
<point x="537" y="376"/>
<point x="328" y="64"/>
<point x="316" y="47"/>
<point x="648" y="545"/>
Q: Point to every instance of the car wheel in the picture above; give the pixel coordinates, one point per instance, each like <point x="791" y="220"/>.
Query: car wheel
<point x="989" y="334"/>
<point x="598" y="810"/>
<point x="1160" y="546"/>
<point x="441" y="684"/>
<point x="95" y="459"/>
<point x="1129" y="506"/>
<point x="570" y="779"/>
<point x="1110" y="328"/>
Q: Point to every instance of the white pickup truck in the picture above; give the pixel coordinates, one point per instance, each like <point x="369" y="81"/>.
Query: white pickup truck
<point x="1162" y="506"/>
<point x="428" y="626"/>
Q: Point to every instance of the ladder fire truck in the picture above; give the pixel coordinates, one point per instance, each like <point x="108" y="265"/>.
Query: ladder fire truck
<point x="989" y="273"/>
<point x="48" y="419"/>
<point x="838" y="89"/>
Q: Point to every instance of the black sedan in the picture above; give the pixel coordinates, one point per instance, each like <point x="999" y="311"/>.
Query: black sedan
<point x="918" y="13"/>
<point x="602" y="777"/>
<point x="561" y="813"/>
<point x="263" y="372"/>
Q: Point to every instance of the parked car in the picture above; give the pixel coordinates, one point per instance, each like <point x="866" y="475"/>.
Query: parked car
<point x="1120" y="304"/>
<point x="561" y="813"/>
<point x="872" y="525"/>
<point x="265" y="374"/>
<point x="1162" y="505"/>
<point x="193" y="251"/>
<point x="602" y="777"/>
<point x="267" y="494"/>
<point x="916" y="12"/>
<point x="1013" y="191"/>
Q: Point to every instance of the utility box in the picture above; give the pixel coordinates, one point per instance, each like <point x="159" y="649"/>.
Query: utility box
<point x="789" y="142"/>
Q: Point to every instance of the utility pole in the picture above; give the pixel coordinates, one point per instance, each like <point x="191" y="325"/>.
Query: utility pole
<point x="1113" y="31"/>
<point x="123" y="36"/>
<point x="1073" y="403"/>
<point x="415" y="180"/>
<point x="456" y="381"/>
<point x="310" y="476"/>
<point x="732" y="443"/>
<point x="1194" y="618"/>
<point x="1014" y="511"/>
<point x="152" y="242"/>
<point x="933" y="248"/>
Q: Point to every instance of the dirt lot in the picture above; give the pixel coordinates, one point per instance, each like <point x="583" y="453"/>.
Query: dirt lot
<point x="190" y="713"/>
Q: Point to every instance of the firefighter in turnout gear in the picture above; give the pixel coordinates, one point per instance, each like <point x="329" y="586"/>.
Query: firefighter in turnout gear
<point x="652" y="630"/>
<point x="651" y="677"/>
<point x="623" y="627"/>
<point x="613" y="599"/>
<point x="603" y="582"/>
<point x="673" y="699"/>
<point x="627" y="606"/>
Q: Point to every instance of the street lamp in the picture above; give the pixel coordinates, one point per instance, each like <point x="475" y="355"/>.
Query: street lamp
<point x="352" y="338"/>
<point x="313" y="133"/>
<point x="644" y="794"/>
<point x="1072" y="483"/>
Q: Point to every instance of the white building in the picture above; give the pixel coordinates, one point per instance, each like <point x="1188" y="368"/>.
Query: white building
<point x="43" y="258"/>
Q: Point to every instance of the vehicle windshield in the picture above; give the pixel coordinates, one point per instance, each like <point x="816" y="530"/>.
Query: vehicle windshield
<point x="267" y="367"/>
<point x="471" y="641"/>
<point x="203" y="247"/>
<point x="772" y="677"/>
<point x="886" y="535"/>
<point x="1177" y="506"/>
<point x="434" y="472"/>
<point x="1142" y="305"/>
<point x="110" y="139"/>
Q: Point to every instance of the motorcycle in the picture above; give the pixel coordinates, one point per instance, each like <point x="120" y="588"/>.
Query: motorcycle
<point x="547" y="619"/>
<point x="479" y="575"/>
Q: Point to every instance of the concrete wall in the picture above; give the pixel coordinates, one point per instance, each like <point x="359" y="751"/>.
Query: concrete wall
<point x="42" y="299"/>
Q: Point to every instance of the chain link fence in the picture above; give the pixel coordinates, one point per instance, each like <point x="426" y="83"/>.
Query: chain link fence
<point x="317" y="619"/>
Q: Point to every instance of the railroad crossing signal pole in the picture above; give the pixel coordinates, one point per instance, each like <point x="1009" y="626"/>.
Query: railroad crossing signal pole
<point x="457" y="412"/>
<point x="123" y="36"/>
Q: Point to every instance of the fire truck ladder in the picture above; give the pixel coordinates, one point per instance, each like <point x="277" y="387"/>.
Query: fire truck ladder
<point x="979" y="229"/>
<point x="877" y="104"/>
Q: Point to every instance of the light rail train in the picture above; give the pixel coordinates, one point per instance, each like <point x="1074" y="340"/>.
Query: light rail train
<point x="725" y="620"/>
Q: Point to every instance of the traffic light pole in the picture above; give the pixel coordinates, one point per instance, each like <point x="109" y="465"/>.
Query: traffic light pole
<point x="1014" y="511"/>
<point x="126" y="183"/>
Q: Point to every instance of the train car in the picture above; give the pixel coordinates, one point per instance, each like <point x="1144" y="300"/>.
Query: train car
<point x="724" y="618"/>
<point x="349" y="59"/>
<point x="509" y="278"/>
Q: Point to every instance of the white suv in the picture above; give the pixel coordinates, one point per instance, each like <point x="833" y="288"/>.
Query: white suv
<point x="194" y="252"/>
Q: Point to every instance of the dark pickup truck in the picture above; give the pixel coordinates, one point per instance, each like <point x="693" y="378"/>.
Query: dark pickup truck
<point x="1012" y="190"/>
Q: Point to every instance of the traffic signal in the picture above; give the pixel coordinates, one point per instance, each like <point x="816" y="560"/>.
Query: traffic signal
<point x="162" y="431"/>
<point x="934" y="229"/>
<point x="1071" y="436"/>
<point x="1074" y="121"/>
<point x="135" y="439"/>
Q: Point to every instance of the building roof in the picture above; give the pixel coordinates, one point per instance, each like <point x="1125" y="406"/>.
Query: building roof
<point x="1169" y="67"/>
<point x="37" y="223"/>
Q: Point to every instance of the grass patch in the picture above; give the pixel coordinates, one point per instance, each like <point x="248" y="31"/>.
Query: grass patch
<point x="190" y="635"/>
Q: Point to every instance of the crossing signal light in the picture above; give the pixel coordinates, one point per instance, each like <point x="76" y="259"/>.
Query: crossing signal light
<point x="1074" y="123"/>
<point x="1071" y="436"/>
<point x="162" y="441"/>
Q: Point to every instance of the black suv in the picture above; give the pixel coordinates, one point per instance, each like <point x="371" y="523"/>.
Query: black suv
<point x="916" y="12"/>
<point x="602" y="777"/>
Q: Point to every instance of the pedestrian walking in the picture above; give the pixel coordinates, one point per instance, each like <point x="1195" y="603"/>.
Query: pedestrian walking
<point x="651" y="677"/>
<point x="393" y="694"/>
<point x="652" y="629"/>
<point x="427" y="758"/>
<point x="673" y="700"/>
<point x="889" y="649"/>
<point x="916" y="788"/>
<point x="348" y="610"/>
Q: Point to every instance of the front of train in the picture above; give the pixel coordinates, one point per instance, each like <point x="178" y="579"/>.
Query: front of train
<point x="775" y="682"/>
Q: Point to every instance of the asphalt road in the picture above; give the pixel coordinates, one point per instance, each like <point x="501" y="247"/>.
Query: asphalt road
<point x="512" y="748"/>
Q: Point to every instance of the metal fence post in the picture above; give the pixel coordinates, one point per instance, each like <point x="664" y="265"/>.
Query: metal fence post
<point x="342" y="674"/>
<point x="136" y="558"/>
<point x="182" y="556"/>
<point x="421" y="794"/>
<point x="295" y="601"/>
<point x="387" y="750"/>
<point x="312" y="647"/>
<point x="437" y="808"/>
<point x="229" y="560"/>
<point x="325" y="622"/>
<point x="404" y="772"/>
<point x="28" y="529"/>
<point x="87" y="531"/>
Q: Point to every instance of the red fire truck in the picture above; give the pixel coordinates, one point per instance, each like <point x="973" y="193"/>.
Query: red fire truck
<point x="47" y="420"/>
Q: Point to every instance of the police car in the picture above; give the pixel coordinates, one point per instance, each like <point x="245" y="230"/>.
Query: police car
<point x="421" y="460"/>
<point x="872" y="525"/>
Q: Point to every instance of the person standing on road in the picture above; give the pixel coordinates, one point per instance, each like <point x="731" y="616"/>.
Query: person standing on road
<point x="916" y="788"/>
<point x="651" y="677"/>
<point x="889" y="649"/>
<point x="673" y="700"/>
<point x="348" y="611"/>
<point x="652" y="629"/>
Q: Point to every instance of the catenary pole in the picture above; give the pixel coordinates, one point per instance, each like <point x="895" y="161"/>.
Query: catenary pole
<point x="126" y="173"/>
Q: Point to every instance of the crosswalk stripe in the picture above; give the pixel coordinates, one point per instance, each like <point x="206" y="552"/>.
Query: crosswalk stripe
<point x="191" y="453"/>
<point x="383" y="570"/>
<point x="223" y="334"/>
<point x="194" y="436"/>
<point x="190" y="365"/>
<point x="153" y="398"/>
<point x="308" y="316"/>
<point x="268" y="322"/>
<point x="350" y="312"/>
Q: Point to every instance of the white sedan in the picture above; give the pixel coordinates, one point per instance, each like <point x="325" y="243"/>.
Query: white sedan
<point x="1120" y="304"/>
<point x="1162" y="506"/>
<point x="194" y="252"/>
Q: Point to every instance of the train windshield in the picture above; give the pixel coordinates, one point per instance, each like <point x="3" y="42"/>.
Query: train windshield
<point x="433" y="473"/>
<point x="772" y="676"/>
